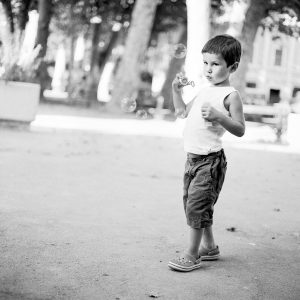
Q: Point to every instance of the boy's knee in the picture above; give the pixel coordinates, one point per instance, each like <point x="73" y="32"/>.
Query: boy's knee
<point x="199" y="221"/>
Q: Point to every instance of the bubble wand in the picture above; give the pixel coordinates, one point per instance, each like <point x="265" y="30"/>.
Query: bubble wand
<point x="183" y="81"/>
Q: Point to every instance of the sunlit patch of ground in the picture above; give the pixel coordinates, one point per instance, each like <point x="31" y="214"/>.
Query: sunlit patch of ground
<point x="257" y="136"/>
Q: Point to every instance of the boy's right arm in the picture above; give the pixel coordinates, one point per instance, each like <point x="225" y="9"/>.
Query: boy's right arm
<point x="179" y="105"/>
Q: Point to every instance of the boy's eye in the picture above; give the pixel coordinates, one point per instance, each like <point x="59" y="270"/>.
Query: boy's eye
<point x="205" y="62"/>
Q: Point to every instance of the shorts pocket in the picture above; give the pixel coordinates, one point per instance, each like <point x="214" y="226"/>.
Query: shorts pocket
<point x="222" y="173"/>
<point x="216" y="168"/>
<point x="202" y="179"/>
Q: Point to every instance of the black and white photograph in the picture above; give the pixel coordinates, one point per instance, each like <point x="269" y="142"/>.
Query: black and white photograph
<point x="149" y="149"/>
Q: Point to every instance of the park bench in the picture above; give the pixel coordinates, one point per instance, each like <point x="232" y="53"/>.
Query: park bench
<point x="274" y="116"/>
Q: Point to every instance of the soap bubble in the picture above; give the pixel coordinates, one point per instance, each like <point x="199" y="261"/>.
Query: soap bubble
<point x="142" y="114"/>
<point x="128" y="105"/>
<point x="179" y="51"/>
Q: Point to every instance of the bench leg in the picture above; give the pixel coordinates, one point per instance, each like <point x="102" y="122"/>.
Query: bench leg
<point x="278" y="132"/>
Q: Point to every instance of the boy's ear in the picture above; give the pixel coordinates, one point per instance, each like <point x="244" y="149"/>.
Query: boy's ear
<point x="234" y="67"/>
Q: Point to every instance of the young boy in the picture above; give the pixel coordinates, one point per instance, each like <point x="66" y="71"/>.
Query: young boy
<point x="216" y="108"/>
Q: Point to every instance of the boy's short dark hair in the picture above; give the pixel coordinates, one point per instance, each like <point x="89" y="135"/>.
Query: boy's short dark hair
<point x="226" y="45"/>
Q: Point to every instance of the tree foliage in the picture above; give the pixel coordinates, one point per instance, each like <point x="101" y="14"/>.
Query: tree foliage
<point x="271" y="14"/>
<point x="17" y="12"/>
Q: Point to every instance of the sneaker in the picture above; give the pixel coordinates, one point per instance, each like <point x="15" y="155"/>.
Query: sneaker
<point x="212" y="254"/>
<point x="186" y="263"/>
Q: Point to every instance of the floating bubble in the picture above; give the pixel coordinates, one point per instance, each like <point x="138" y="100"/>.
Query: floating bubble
<point x="128" y="105"/>
<point x="179" y="51"/>
<point x="142" y="114"/>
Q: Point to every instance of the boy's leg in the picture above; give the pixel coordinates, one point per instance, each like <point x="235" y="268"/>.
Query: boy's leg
<point x="195" y="239"/>
<point x="208" y="249"/>
<point x="189" y="260"/>
<point x="208" y="241"/>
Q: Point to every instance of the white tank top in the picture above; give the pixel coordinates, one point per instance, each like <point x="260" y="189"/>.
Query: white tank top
<point x="200" y="136"/>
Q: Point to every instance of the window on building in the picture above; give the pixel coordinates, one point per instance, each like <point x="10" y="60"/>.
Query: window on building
<point x="296" y="90"/>
<point x="274" y="96"/>
<point x="278" y="56"/>
<point x="251" y="85"/>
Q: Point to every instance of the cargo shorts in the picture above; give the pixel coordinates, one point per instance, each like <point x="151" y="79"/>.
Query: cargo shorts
<point x="203" y="180"/>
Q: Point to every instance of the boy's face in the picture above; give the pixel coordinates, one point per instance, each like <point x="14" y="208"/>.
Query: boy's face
<point x="215" y="69"/>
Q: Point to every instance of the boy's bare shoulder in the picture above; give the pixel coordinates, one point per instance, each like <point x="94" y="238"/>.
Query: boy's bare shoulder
<point x="233" y="99"/>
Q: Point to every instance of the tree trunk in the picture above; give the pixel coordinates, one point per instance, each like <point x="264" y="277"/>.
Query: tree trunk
<point x="6" y="32"/>
<point x="8" y="14"/>
<point x="25" y="5"/>
<point x="127" y="78"/>
<point x="256" y="12"/>
<point x="175" y="66"/>
<point x="93" y="77"/>
<point x="71" y="45"/>
<point x="198" y="32"/>
<point x="45" y="13"/>
<point x="104" y="57"/>
<point x="98" y="62"/>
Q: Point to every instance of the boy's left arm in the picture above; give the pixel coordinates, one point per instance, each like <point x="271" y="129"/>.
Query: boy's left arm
<point x="235" y="124"/>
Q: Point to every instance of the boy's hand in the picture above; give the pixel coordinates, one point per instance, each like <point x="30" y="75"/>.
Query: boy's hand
<point x="176" y="85"/>
<point x="209" y="113"/>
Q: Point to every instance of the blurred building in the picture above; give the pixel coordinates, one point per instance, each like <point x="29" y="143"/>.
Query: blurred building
<point x="274" y="72"/>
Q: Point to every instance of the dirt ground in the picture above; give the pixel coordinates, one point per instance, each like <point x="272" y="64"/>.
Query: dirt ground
<point x="87" y="214"/>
